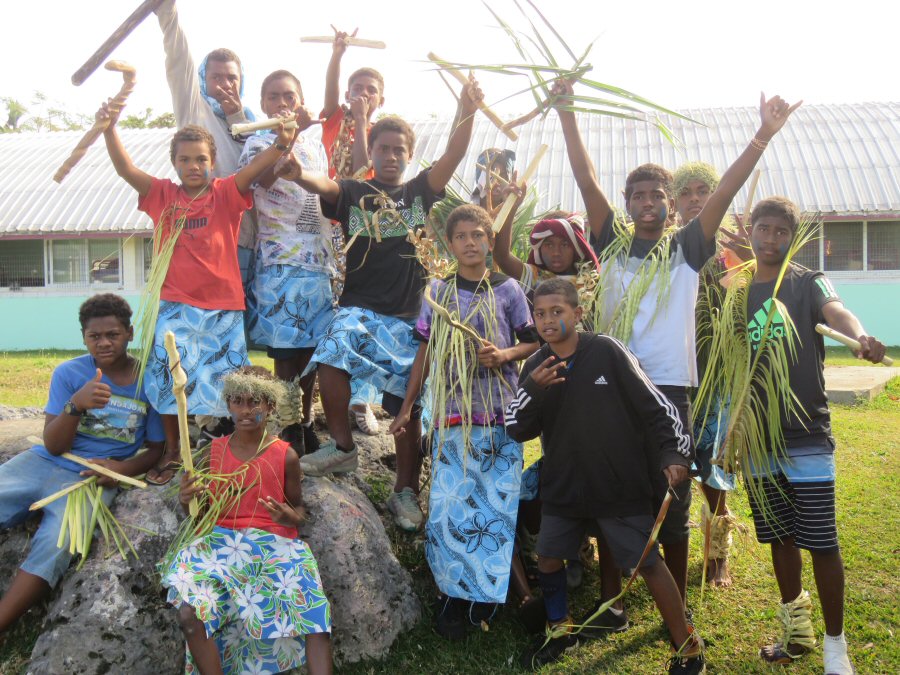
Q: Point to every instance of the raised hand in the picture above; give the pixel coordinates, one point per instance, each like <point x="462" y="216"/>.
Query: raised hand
<point x="561" y="93"/>
<point x="738" y="242"/>
<point x="773" y="113"/>
<point x="359" y="110"/>
<point x="471" y="95"/>
<point x="229" y="98"/>
<point x="108" y="114"/>
<point x="93" y="394"/>
<point x="339" y="46"/>
<point x="548" y="372"/>
<point x="285" y="135"/>
<point x="305" y="118"/>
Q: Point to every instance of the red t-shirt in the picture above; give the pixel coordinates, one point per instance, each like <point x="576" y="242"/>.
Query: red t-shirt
<point x="330" y="129"/>
<point x="204" y="269"/>
<point x="264" y="477"/>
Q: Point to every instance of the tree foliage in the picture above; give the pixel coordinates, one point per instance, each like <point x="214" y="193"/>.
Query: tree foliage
<point x="42" y="114"/>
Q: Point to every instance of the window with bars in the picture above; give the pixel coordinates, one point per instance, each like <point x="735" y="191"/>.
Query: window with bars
<point x="75" y="263"/>
<point x="843" y="243"/>
<point x="808" y="255"/>
<point x="883" y="245"/>
<point x="21" y="263"/>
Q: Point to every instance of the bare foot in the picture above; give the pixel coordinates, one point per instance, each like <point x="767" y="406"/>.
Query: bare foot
<point x="717" y="573"/>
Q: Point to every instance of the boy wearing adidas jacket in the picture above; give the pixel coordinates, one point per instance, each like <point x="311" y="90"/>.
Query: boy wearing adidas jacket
<point x="592" y="475"/>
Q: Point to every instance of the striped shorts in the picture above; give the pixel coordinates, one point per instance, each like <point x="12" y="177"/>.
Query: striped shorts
<point x="799" y="496"/>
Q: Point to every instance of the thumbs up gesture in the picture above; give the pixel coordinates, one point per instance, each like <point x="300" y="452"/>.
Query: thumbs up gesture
<point x="93" y="394"/>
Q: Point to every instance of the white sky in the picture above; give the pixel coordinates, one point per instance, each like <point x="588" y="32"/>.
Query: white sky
<point x="688" y="53"/>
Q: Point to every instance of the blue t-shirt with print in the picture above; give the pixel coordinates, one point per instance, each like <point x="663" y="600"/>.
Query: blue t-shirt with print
<point x="115" y="431"/>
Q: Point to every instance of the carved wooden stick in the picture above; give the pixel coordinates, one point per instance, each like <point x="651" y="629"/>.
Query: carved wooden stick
<point x="822" y="329"/>
<point x="527" y="176"/>
<point x="482" y="106"/>
<point x="179" y="381"/>
<point x="104" y="470"/>
<point x="527" y="117"/>
<point x="142" y="12"/>
<point x="270" y="123"/>
<point x="130" y="77"/>
<point x="351" y="41"/>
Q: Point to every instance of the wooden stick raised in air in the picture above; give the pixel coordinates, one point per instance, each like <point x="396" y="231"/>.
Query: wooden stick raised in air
<point x="511" y="199"/>
<point x="482" y="106"/>
<point x="351" y="41"/>
<point x="128" y="73"/>
<point x="179" y="381"/>
<point x="259" y="125"/>
<point x="822" y="329"/>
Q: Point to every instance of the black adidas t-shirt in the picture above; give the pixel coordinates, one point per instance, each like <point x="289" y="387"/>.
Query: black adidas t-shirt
<point x="384" y="276"/>
<point x="804" y="293"/>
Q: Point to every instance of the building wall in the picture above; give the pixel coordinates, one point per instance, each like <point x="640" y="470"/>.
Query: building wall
<point x="51" y="321"/>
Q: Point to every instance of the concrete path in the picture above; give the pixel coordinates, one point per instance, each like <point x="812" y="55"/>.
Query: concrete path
<point x="850" y="384"/>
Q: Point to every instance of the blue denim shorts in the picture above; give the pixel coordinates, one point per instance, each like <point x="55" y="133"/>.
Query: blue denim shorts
<point x="25" y="479"/>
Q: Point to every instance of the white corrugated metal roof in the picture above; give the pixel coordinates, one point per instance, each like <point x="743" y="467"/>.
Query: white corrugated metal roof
<point x="837" y="159"/>
<point x="92" y="198"/>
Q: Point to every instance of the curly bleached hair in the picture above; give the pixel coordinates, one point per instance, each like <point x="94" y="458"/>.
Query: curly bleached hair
<point x="256" y="382"/>
<point x="705" y="173"/>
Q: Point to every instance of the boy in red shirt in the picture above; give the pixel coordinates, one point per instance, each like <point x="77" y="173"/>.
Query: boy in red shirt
<point x="201" y="300"/>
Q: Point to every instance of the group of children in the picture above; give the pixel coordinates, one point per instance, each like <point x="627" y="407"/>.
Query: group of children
<point x="336" y="292"/>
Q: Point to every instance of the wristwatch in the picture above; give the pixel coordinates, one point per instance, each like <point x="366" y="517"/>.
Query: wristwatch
<point x="70" y="409"/>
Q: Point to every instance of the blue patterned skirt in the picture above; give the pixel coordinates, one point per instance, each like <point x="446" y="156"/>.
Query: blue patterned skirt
<point x="710" y="437"/>
<point x="211" y="343"/>
<point x="471" y="527"/>
<point x="377" y="352"/>
<point x="259" y="595"/>
<point x="289" y="307"/>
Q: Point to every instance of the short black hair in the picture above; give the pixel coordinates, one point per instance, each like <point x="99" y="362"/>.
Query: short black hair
<point x="396" y="124"/>
<point x="277" y="75"/>
<point x="473" y="214"/>
<point x="558" y="286"/>
<point x="650" y="172"/>
<point x="367" y="72"/>
<point x="104" y="304"/>
<point x="192" y="132"/>
<point x="225" y="55"/>
<point x="777" y="206"/>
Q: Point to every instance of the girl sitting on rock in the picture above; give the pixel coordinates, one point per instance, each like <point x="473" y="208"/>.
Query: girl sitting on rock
<point x="247" y="588"/>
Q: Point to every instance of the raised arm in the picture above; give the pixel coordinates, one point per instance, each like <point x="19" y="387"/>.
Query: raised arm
<point x="502" y="252"/>
<point x="264" y="160"/>
<point x="773" y="115"/>
<point x="442" y="170"/>
<point x="136" y="178"/>
<point x="289" y="168"/>
<point x="333" y="73"/>
<point x="359" y="110"/>
<point x="595" y="202"/>
<point x="181" y="73"/>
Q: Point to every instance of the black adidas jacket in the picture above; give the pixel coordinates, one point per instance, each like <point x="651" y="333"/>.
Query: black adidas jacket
<point x="596" y="460"/>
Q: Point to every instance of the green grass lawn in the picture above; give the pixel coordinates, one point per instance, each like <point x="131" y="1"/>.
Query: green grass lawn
<point x="734" y="622"/>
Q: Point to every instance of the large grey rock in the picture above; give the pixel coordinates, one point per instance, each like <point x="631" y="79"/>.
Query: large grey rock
<point x="109" y="617"/>
<point x="371" y="595"/>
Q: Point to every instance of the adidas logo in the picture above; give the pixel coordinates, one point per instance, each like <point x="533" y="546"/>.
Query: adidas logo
<point x="600" y="380"/>
<point x="759" y="321"/>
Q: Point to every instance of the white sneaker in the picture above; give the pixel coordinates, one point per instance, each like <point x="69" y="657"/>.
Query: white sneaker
<point x="365" y="420"/>
<point x="405" y="507"/>
<point x="328" y="459"/>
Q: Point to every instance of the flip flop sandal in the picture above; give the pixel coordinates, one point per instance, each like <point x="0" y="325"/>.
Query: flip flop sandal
<point x="160" y="470"/>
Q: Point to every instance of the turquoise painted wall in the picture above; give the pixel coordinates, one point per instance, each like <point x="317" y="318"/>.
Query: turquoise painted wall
<point x="51" y="322"/>
<point x="44" y="322"/>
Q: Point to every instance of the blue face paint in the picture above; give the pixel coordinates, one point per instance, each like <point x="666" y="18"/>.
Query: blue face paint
<point x="259" y="418"/>
<point x="663" y="213"/>
<point x="206" y="174"/>
<point x="562" y="327"/>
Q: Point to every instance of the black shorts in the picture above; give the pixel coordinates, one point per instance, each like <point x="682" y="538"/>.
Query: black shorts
<point x="675" y="527"/>
<point x="285" y="353"/>
<point x="561" y="537"/>
<point x="802" y="510"/>
<point x="392" y="404"/>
